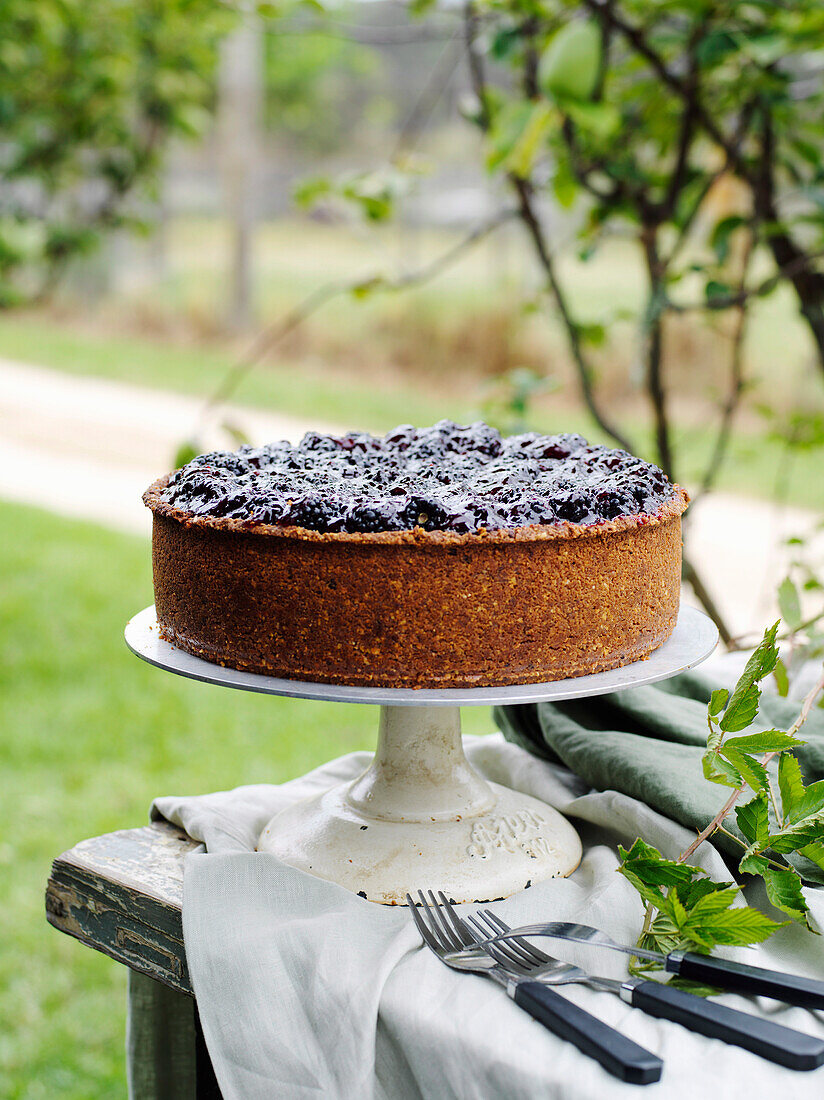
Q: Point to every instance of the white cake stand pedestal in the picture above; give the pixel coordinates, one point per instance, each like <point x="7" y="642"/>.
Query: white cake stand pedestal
<point x="420" y="814"/>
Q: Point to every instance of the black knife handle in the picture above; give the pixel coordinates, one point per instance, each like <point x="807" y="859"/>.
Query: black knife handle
<point x="768" y="1040"/>
<point x="793" y="989"/>
<point x="616" y="1053"/>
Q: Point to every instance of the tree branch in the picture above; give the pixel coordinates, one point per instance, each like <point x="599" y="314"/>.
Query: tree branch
<point x="277" y="332"/>
<point x="523" y="190"/>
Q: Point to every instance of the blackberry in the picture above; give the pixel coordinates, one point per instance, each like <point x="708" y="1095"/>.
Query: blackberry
<point x="311" y="512"/>
<point x="400" y="438"/>
<point x="423" y="512"/>
<point x="610" y="503"/>
<point x="316" y="441"/>
<point x="222" y="460"/>
<point x="368" y="518"/>
<point x="571" y="506"/>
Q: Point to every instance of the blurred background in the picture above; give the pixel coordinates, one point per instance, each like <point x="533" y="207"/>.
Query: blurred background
<point x="224" y="221"/>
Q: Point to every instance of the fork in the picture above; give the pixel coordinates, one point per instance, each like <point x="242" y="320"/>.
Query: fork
<point x="769" y="1040"/>
<point x="443" y="932"/>
<point x="793" y="989"/>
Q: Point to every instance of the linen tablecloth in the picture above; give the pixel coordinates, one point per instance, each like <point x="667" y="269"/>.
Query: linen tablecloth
<point x="305" y="990"/>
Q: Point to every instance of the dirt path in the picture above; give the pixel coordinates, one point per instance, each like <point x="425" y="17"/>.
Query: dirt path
<point x="88" y="448"/>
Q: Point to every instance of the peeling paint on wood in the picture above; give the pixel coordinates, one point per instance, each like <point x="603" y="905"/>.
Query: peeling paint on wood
<point x="122" y="894"/>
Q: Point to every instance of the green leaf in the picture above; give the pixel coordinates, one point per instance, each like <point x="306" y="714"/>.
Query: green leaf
<point x="716" y="291"/>
<point x="655" y="869"/>
<point x="782" y="679"/>
<point x="741" y="710"/>
<point x="716" y="768"/>
<point x="789" y="604"/>
<point x="743" y="705"/>
<point x="718" y="700"/>
<point x="720" y="239"/>
<point x="602" y="120"/>
<point x="738" y="927"/>
<point x="767" y="741"/>
<point x="564" y="185"/>
<point x="521" y="157"/>
<point x="814" y="852"/>
<point x="810" y="802"/>
<point x="751" y="770"/>
<point x="784" y="891"/>
<point x="508" y="123"/>
<point x="809" y="830"/>
<point x="367" y="286"/>
<point x="715" y="902"/>
<point x="753" y="818"/>
<point x="790" y="784"/>
<point x="652" y="895"/>
<point x="570" y="65"/>
<point x="184" y="454"/>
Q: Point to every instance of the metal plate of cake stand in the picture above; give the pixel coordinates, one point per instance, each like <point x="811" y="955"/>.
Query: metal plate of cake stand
<point x="420" y="813"/>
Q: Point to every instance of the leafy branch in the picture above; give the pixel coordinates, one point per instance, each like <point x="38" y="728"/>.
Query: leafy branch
<point x="783" y="818"/>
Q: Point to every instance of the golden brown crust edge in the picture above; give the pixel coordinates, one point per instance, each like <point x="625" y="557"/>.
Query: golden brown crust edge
<point x="465" y="611"/>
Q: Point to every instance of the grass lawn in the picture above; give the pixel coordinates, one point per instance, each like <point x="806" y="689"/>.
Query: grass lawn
<point x="88" y="736"/>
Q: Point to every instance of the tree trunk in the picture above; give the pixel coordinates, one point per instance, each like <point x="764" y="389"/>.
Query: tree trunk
<point x="239" y="145"/>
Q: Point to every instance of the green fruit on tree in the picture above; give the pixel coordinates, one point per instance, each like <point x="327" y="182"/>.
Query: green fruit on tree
<point x="570" y="64"/>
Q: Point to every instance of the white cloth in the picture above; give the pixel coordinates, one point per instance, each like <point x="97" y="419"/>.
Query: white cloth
<point x="306" y="990"/>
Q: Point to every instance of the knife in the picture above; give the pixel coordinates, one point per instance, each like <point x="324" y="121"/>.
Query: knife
<point x="793" y="989"/>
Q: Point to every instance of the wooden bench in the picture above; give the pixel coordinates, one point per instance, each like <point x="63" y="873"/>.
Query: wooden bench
<point x="122" y="894"/>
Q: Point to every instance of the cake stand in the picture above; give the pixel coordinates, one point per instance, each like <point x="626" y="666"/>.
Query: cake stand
<point x="420" y="813"/>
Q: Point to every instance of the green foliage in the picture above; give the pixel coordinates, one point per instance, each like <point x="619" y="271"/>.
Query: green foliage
<point x="691" y="912"/>
<point x="571" y="63"/>
<point x="773" y="827"/>
<point x="90" y="93"/>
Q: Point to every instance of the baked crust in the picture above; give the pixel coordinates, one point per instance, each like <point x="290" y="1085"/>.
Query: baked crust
<point x="417" y="608"/>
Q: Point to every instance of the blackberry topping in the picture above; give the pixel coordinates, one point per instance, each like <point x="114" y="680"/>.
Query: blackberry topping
<point x="313" y="513"/>
<point x="423" y="512"/>
<point x="444" y="478"/>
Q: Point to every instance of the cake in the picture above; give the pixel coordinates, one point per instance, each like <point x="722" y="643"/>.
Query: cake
<point x="447" y="556"/>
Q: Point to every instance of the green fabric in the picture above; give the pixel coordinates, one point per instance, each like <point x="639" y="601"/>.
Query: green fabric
<point x="647" y="742"/>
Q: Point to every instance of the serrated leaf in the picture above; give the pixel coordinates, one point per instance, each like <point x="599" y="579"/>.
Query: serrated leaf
<point x="676" y="910"/>
<point x="810" y="802"/>
<point x="692" y="892"/>
<point x="744" y="700"/>
<point x="784" y="891"/>
<point x="650" y="894"/>
<point x="789" y="604"/>
<point x="654" y="868"/>
<point x="809" y="830"/>
<point x="737" y="927"/>
<point x="751" y="770"/>
<point x="767" y="741"/>
<point x="790" y="784"/>
<point x="718" y="770"/>
<point x="753" y="819"/>
<point x="718" y="700"/>
<point x="741" y="710"/>
<point x="782" y="679"/>
<point x="715" y="902"/>
<point x="752" y="864"/>
<point x="814" y="852"/>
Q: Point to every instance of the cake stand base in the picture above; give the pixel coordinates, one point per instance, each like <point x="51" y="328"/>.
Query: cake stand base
<point x="421" y="817"/>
